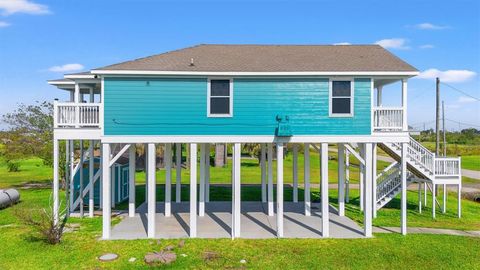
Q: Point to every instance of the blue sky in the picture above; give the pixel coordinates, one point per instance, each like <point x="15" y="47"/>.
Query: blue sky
<point x="41" y="40"/>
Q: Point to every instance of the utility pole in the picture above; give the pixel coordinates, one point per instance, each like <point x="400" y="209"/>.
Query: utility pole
<point x="444" y="131"/>
<point x="437" y="119"/>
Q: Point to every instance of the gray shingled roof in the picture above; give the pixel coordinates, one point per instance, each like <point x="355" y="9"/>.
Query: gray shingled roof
<point x="270" y="58"/>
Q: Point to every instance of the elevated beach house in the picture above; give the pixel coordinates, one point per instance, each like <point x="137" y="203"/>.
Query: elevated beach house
<point x="276" y="96"/>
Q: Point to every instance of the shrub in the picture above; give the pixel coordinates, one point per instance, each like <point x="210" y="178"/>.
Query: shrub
<point x="13" y="166"/>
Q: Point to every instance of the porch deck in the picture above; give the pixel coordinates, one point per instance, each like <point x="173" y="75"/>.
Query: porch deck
<point x="255" y="223"/>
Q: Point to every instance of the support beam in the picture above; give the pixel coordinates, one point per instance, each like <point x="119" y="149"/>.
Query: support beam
<point x="146" y="171"/>
<point x="106" y="191"/>
<point x="193" y="190"/>
<point x="119" y="154"/>
<point x="367" y="212"/>
<point x="404" y="189"/>
<point x="81" y="178"/>
<point x="379" y="96"/>
<point x="362" y="178"/>
<point x="357" y="155"/>
<point x="56" y="185"/>
<point x="91" y="169"/>
<point x="236" y="191"/>
<point x="207" y="172"/>
<point x="279" y="190"/>
<point x="263" y="173"/>
<point x="178" y="163"/>
<point x="201" y="204"/>
<point x="347" y="176"/>
<point x="72" y="174"/>
<point x="434" y="189"/>
<point x="341" y="180"/>
<point x="306" y="179"/>
<point x="420" y="197"/>
<point x="425" y="194"/>
<point x="324" y="189"/>
<point x="295" y="172"/>
<point x="374" y="176"/>
<point x="444" y="208"/>
<point x="459" y="199"/>
<point x="151" y="191"/>
<point x="131" y="181"/>
<point x="404" y="104"/>
<point x="168" y="179"/>
<point x="270" y="179"/>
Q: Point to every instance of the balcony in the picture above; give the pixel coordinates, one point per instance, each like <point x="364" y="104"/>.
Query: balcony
<point x="388" y="119"/>
<point x="76" y="115"/>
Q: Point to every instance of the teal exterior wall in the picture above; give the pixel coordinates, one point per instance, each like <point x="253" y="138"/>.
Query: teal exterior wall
<point x="168" y="106"/>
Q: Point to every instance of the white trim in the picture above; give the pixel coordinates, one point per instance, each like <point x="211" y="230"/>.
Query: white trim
<point x="330" y="97"/>
<point x="376" y="138"/>
<point x="79" y="76"/>
<point x="228" y="73"/>
<point x="230" y="97"/>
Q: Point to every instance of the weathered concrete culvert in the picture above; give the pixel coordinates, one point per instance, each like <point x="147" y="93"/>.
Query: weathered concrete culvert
<point x="8" y="197"/>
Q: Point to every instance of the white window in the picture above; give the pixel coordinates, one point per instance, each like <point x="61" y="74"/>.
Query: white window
<point x="341" y="98"/>
<point x="220" y="100"/>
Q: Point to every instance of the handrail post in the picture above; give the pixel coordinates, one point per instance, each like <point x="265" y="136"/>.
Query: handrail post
<point x="55" y="113"/>
<point x="77" y="115"/>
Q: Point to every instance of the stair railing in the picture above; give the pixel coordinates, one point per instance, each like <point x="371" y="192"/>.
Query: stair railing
<point x="390" y="181"/>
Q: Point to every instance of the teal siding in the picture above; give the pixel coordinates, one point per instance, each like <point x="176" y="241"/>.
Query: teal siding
<point x="179" y="107"/>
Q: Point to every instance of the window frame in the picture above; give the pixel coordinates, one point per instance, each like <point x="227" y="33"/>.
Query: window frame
<point x="331" y="97"/>
<point x="230" y="97"/>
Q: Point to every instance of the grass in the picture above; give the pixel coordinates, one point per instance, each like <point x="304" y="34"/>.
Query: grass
<point x="21" y="249"/>
<point x="471" y="162"/>
<point x="80" y="249"/>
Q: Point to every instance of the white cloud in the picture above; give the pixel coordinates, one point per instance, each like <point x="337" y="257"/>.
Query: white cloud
<point x="429" y="26"/>
<point x="451" y="75"/>
<point x="9" y="7"/>
<point x="393" y="43"/>
<point x="342" y="43"/>
<point x="4" y="24"/>
<point x="66" y="68"/>
<point x="466" y="99"/>
<point x="427" y="46"/>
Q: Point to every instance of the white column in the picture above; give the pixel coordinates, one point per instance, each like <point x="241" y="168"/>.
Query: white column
<point x="374" y="175"/>
<point x="379" y="96"/>
<point x="295" y="173"/>
<point x="168" y="179"/>
<point x="193" y="190"/>
<point x="279" y="189"/>
<point x="404" y="104"/>
<point x="131" y="181"/>
<point x="425" y="193"/>
<point x="404" y="189"/>
<point x="201" y="204"/>
<point x="367" y="211"/>
<point x="362" y="177"/>
<point x="106" y="191"/>
<point x="444" y="209"/>
<point x="146" y="171"/>
<point x="91" y="169"/>
<point x="236" y="191"/>
<point x="207" y="172"/>
<point x="347" y="176"/>
<point x="77" y="100"/>
<point x="434" y="189"/>
<point x="101" y="177"/>
<point x="113" y="183"/>
<point x="341" y="179"/>
<point x="56" y="200"/>
<point x="306" y="178"/>
<point x="459" y="199"/>
<point x="151" y="191"/>
<point x="72" y="167"/>
<point x="178" y="187"/>
<point x="80" y="169"/>
<point x="270" y="179"/>
<point x="420" y="197"/>
<point x="263" y="173"/>
<point x="324" y="189"/>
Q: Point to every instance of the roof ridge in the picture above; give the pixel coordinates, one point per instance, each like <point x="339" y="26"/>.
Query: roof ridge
<point x="279" y="45"/>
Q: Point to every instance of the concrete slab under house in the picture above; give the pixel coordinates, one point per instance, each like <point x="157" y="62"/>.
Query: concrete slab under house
<point x="190" y="100"/>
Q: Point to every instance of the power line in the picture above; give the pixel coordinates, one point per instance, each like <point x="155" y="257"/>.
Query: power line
<point x="460" y="91"/>
<point x="462" y="123"/>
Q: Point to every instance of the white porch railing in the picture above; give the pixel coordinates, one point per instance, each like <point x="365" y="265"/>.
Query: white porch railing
<point x="76" y="115"/>
<point x="388" y="119"/>
<point x="447" y="166"/>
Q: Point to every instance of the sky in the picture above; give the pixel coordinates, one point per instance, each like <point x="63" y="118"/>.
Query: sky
<point x="42" y="40"/>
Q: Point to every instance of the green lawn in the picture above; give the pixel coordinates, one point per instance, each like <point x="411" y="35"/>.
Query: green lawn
<point x="471" y="162"/>
<point x="20" y="249"/>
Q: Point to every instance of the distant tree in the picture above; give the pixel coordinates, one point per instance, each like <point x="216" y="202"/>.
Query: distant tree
<point x="29" y="133"/>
